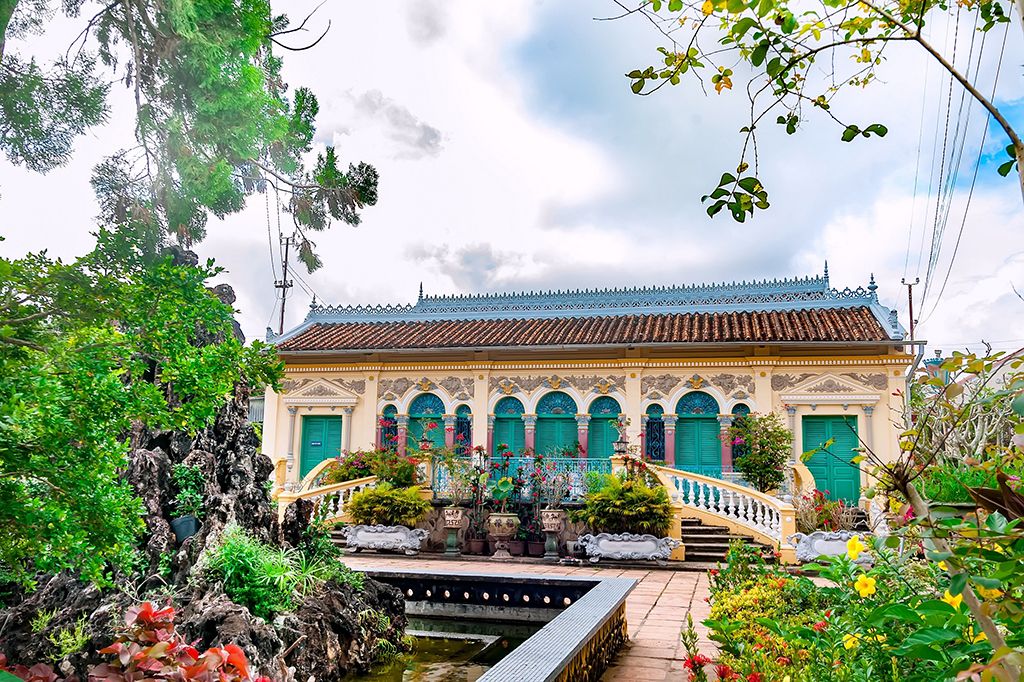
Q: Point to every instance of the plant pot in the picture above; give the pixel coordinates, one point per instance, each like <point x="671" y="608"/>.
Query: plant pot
<point x="516" y="547"/>
<point x="952" y="510"/>
<point x="551" y="520"/>
<point x="184" y="527"/>
<point x="503" y="527"/>
<point x="476" y="546"/>
<point x="535" y="548"/>
<point x="453" y="517"/>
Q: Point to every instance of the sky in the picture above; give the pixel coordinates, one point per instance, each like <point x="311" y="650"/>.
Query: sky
<point x="513" y="156"/>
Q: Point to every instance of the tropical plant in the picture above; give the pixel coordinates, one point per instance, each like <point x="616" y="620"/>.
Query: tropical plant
<point x="798" y="58"/>
<point x="763" y="446"/>
<point x="189" y="481"/>
<point x="70" y="640"/>
<point x="623" y="504"/>
<point x="385" y="505"/>
<point x="387" y="465"/>
<point x="502" y="491"/>
<point x="949" y="482"/>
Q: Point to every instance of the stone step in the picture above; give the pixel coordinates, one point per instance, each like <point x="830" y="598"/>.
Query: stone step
<point x="697" y="535"/>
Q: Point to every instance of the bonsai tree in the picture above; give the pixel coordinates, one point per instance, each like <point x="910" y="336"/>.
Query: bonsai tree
<point x="763" y="444"/>
<point x="385" y="505"/>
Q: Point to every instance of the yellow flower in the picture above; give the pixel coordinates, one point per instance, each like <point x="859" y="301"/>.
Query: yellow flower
<point x="854" y="547"/>
<point x="953" y="601"/>
<point x="980" y="637"/>
<point x="943" y="566"/>
<point x="989" y="592"/>
<point x="864" y="585"/>
<point x="708" y="7"/>
<point x="850" y="641"/>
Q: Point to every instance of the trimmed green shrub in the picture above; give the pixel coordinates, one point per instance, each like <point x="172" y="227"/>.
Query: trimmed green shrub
<point x="385" y="505"/>
<point x="617" y="504"/>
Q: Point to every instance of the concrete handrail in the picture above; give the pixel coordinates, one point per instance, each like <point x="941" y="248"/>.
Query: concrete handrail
<point x="329" y="501"/>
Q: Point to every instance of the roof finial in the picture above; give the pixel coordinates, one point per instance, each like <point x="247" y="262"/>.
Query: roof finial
<point x="872" y="287"/>
<point x="421" y="292"/>
<point x="312" y="303"/>
<point x="826" y="271"/>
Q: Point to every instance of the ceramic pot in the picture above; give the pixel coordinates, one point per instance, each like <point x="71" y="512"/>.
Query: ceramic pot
<point x="551" y="520"/>
<point x="516" y="547"/>
<point x="476" y="546"/>
<point x="453" y="517"/>
<point x="503" y="527"/>
<point x="535" y="548"/>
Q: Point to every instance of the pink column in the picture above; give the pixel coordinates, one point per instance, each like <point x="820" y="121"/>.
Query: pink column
<point x="530" y="423"/>
<point x="449" y="430"/>
<point x="403" y="433"/>
<point x="643" y="435"/>
<point x="490" y="433"/>
<point x="725" y="420"/>
<point x="582" y="429"/>
<point x="670" y="440"/>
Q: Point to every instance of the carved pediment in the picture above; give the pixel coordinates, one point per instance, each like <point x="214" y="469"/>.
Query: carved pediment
<point x="829" y="388"/>
<point x="324" y="391"/>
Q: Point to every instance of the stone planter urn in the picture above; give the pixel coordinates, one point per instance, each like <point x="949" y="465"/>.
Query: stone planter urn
<point x="551" y="521"/>
<point x="453" y="517"/>
<point x="503" y="527"/>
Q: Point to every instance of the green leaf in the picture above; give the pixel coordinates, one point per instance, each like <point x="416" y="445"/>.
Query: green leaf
<point x="637" y="86"/>
<point x="727" y="178"/>
<point x="877" y="129"/>
<point x="850" y="133"/>
<point x="957" y="584"/>
<point x="926" y="637"/>
<point x="751" y="184"/>
<point x="675" y="5"/>
<point x="759" y="53"/>
<point x="635" y="73"/>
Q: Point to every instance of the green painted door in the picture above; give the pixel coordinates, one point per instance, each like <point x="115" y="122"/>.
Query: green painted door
<point x="416" y="428"/>
<point x="832" y="470"/>
<point x="511" y="431"/>
<point x="698" y="448"/>
<point x="600" y="436"/>
<point x="554" y="433"/>
<point x="321" y="439"/>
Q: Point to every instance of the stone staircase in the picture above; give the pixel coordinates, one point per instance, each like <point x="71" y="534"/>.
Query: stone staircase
<point x="708" y="544"/>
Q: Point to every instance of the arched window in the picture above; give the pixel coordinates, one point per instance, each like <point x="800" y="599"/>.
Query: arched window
<point x="508" y="424"/>
<point x="740" y="410"/>
<point x="463" y="430"/>
<point x="604" y="415"/>
<point x="698" y="443"/>
<point x="654" y="439"/>
<point x="389" y="428"/>
<point x="556" y="424"/>
<point x="426" y="415"/>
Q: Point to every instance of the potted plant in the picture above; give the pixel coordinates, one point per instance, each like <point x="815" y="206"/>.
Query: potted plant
<point x="946" y="487"/>
<point x="501" y="524"/>
<point x="517" y="545"/>
<point x="628" y="514"/>
<point x="761" y="449"/>
<point x="554" y="487"/>
<point x="188" y="503"/>
<point x="459" y="476"/>
<point x="383" y="515"/>
<point x="534" y="538"/>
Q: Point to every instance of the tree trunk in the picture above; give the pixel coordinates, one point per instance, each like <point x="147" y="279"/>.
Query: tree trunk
<point x="6" y="10"/>
<point x="1019" y="147"/>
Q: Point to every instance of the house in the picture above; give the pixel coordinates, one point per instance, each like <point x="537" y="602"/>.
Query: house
<point x="548" y="370"/>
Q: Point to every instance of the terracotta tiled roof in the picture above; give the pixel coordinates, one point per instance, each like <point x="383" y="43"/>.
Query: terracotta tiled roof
<point x="855" y="323"/>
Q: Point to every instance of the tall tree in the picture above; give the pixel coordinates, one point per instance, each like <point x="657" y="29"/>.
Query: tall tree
<point x="795" y="53"/>
<point x="214" y="120"/>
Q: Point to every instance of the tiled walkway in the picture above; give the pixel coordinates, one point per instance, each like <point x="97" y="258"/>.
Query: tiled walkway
<point x="655" y="610"/>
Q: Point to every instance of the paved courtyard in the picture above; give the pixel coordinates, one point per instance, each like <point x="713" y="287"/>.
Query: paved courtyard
<point x="655" y="610"/>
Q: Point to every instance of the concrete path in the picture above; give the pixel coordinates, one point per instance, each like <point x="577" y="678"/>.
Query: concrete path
<point x="655" y="610"/>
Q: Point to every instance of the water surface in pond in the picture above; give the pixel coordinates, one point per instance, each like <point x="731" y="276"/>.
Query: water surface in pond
<point x="452" y="651"/>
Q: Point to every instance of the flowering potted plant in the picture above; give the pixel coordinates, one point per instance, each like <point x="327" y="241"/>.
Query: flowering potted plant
<point x="459" y="476"/>
<point x="501" y="524"/>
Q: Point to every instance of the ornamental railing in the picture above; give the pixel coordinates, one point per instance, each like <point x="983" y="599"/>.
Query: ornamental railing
<point x="742" y="509"/>
<point x="575" y="468"/>
<point x="329" y="501"/>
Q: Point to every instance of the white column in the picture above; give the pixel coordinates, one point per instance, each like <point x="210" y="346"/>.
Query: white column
<point x="292" y="469"/>
<point x="346" y="429"/>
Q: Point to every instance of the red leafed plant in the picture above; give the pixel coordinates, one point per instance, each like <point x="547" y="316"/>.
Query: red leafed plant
<point x="150" y="649"/>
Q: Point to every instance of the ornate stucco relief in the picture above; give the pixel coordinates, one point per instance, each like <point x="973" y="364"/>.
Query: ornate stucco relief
<point x="783" y="381"/>
<point x="459" y="387"/>
<point x="829" y="385"/>
<point x="293" y="386"/>
<point x="877" y="381"/>
<point x="731" y="382"/>
<point x="663" y="384"/>
<point x="395" y="387"/>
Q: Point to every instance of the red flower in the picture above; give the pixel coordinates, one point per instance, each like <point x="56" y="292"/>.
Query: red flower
<point x="696" y="662"/>
<point x="755" y="677"/>
<point x="713" y="571"/>
<point x="432" y="425"/>
<point x="782" y="660"/>
<point x="820" y="626"/>
<point x="724" y="672"/>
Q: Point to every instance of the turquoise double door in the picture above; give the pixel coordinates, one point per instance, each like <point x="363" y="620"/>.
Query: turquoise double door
<point x="555" y="434"/>
<point x="832" y="468"/>
<point x="321" y="439"/>
<point x="698" y="446"/>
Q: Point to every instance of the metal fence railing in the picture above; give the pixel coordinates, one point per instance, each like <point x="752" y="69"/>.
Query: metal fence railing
<point x="576" y="469"/>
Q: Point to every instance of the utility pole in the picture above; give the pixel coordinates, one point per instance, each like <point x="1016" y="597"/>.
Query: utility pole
<point x="284" y="284"/>
<point x="909" y="300"/>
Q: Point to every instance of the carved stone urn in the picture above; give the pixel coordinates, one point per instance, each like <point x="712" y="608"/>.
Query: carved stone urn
<point x="453" y="517"/>
<point x="503" y="527"/>
<point x="551" y="521"/>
